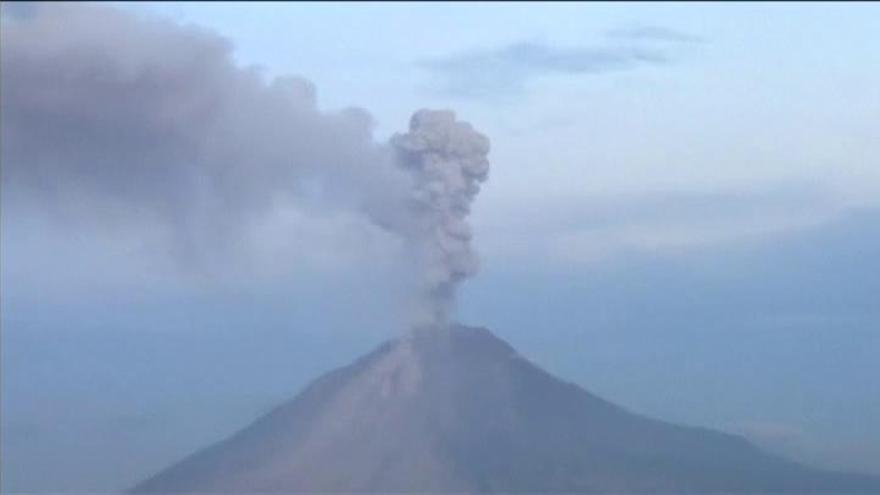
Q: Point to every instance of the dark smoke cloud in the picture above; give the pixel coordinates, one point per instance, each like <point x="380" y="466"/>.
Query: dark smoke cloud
<point x="113" y="121"/>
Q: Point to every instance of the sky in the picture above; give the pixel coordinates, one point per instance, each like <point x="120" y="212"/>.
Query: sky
<point x="682" y="216"/>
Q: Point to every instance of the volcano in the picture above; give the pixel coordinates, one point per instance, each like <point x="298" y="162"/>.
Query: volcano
<point x="459" y="410"/>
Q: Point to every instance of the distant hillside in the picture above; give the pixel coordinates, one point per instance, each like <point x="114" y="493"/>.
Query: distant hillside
<point x="458" y="410"/>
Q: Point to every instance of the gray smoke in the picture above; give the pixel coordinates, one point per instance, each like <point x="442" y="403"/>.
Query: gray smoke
<point x="113" y="121"/>
<point x="447" y="160"/>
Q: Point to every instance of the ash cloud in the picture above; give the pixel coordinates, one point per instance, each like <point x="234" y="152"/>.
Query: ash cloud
<point x="113" y="121"/>
<point x="448" y="161"/>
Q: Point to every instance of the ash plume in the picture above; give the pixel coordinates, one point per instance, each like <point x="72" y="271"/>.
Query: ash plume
<point x="113" y="121"/>
<point x="447" y="160"/>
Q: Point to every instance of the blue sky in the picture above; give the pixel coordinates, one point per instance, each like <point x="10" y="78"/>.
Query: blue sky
<point x="682" y="216"/>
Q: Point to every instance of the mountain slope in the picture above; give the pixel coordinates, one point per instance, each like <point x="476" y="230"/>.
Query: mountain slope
<point x="458" y="410"/>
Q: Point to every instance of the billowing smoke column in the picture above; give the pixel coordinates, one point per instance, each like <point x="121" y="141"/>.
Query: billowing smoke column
<point x="448" y="161"/>
<point x="119" y="122"/>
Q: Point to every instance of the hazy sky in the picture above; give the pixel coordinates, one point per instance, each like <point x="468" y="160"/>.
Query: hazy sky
<point x="683" y="216"/>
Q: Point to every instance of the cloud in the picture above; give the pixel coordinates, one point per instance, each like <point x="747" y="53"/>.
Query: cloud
<point x="509" y="69"/>
<point x="773" y="435"/>
<point x="122" y="123"/>
<point x="653" y="33"/>
<point x="794" y="442"/>
<point x="575" y="231"/>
